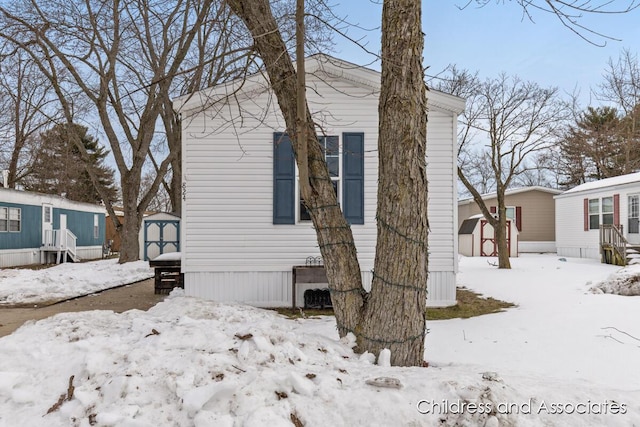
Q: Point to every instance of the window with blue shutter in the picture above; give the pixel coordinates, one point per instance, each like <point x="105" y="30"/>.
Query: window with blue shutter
<point x="353" y="177"/>
<point x="350" y="191"/>
<point x="284" y="176"/>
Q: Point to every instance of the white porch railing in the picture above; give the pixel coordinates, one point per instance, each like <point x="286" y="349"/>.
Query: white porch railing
<point x="61" y="240"/>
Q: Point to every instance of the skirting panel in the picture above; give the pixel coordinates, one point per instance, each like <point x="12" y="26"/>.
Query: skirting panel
<point x="89" y="252"/>
<point x="441" y="289"/>
<point x="18" y="257"/>
<point x="536" y="247"/>
<point x="257" y="288"/>
<point x="274" y="289"/>
<point x="592" y="253"/>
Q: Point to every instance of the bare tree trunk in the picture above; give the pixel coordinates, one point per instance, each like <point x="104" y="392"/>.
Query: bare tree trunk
<point x="500" y="231"/>
<point x="333" y="232"/>
<point x="396" y="311"/>
<point x="129" y="243"/>
<point x="394" y="314"/>
<point x="175" y="186"/>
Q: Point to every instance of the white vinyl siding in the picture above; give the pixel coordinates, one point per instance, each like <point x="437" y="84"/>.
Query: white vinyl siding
<point x="227" y="214"/>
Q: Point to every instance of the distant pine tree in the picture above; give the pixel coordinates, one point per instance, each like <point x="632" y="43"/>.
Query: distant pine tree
<point x="60" y="170"/>
<point x="601" y="144"/>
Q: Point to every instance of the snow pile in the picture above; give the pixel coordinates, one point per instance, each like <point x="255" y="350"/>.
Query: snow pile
<point x="624" y="282"/>
<point x="563" y="357"/>
<point x="68" y="280"/>
<point x="191" y="362"/>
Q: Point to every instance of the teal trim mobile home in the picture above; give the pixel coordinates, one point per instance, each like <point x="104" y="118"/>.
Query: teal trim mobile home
<point x="41" y="228"/>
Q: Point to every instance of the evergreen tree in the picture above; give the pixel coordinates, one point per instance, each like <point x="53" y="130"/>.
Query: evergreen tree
<point x="601" y="144"/>
<point x="60" y="169"/>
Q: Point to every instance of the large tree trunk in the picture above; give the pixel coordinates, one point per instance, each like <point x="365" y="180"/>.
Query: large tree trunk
<point x="393" y="315"/>
<point x="129" y="230"/>
<point x="333" y="232"/>
<point x="396" y="312"/>
<point x="501" y="230"/>
<point x="501" y="242"/>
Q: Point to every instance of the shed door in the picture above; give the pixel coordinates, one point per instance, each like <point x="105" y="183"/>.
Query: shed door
<point x="488" y="245"/>
<point x="47" y="224"/>
<point x="161" y="237"/>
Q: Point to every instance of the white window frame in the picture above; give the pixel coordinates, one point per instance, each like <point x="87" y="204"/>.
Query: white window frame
<point x="96" y="226"/>
<point x="4" y="219"/>
<point x="634" y="208"/>
<point x="608" y="213"/>
<point x="337" y="180"/>
<point x="47" y="214"/>
<point x="595" y="213"/>
<point x="12" y="218"/>
<point x="513" y="208"/>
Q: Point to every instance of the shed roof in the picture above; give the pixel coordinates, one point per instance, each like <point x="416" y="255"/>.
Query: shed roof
<point x="468" y="225"/>
<point x="161" y="216"/>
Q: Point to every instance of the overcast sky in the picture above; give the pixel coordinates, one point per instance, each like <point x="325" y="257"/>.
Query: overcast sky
<point x="498" y="38"/>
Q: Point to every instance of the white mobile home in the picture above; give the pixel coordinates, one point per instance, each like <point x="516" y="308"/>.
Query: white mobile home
<point x="243" y="227"/>
<point x="581" y="211"/>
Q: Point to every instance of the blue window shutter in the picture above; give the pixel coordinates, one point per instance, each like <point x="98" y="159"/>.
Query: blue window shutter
<point x="284" y="175"/>
<point x="353" y="177"/>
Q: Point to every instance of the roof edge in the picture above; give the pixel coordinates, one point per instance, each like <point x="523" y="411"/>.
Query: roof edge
<point x="320" y="62"/>
<point x="510" y="192"/>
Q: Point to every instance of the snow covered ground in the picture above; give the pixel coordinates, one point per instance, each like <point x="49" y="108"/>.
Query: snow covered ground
<point x="564" y="357"/>
<point x="69" y="280"/>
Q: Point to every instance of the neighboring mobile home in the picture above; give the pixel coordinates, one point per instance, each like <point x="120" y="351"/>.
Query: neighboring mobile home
<point x="531" y="208"/>
<point x="41" y="228"/>
<point x="243" y="226"/>
<point x="582" y="211"/>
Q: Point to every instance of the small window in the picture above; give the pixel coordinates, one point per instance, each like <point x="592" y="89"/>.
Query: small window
<point x="47" y="214"/>
<point x="96" y="226"/>
<point x="607" y="210"/>
<point x="4" y="219"/>
<point x="330" y="146"/>
<point x="634" y="214"/>
<point x="14" y="219"/>
<point x="511" y="213"/>
<point x="594" y="214"/>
